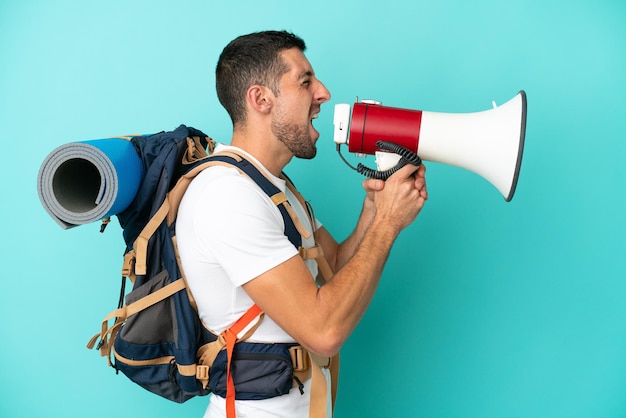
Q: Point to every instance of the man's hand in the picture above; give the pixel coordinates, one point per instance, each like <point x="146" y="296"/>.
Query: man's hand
<point x="372" y="185"/>
<point x="401" y="198"/>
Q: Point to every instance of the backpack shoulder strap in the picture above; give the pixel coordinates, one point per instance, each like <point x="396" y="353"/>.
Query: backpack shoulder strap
<point x="294" y="228"/>
<point x="316" y="252"/>
<point x="279" y="198"/>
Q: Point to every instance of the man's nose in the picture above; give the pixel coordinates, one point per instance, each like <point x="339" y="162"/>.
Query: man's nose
<point x="322" y="95"/>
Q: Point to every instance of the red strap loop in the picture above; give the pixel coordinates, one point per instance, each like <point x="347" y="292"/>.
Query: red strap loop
<point x="230" y="336"/>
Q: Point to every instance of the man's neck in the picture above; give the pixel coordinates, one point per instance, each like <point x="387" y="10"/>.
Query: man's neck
<point x="268" y="150"/>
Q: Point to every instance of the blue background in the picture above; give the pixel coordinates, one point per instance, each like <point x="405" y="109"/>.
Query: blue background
<point x="486" y="309"/>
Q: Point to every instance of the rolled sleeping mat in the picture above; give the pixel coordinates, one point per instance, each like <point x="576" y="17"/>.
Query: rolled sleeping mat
<point x="83" y="182"/>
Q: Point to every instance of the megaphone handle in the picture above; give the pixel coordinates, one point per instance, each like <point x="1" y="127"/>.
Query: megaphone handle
<point x="407" y="157"/>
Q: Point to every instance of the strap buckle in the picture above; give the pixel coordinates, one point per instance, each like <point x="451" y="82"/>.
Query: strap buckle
<point x="129" y="264"/>
<point x="311" y="252"/>
<point x="299" y="358"/>
<point x="202" y="372"/>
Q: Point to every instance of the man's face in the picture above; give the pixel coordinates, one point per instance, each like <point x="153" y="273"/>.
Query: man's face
<point x="297" y="104"/>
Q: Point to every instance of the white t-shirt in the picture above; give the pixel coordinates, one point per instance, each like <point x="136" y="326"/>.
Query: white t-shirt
<point x="230" y="232"/>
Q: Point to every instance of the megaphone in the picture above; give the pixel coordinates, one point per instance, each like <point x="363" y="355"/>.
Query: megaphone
<point x="489" y="143"/>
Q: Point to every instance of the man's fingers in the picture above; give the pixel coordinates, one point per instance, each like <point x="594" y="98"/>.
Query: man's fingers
<point x="373" y="185"/>
<point x="405" y="172"/>
<point x="409" y="171"/>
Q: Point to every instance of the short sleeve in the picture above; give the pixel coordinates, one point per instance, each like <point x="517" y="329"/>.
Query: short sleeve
<point x="239" y="227"/>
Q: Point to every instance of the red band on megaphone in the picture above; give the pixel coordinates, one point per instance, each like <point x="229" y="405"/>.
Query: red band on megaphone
<point x="373" y="122"/>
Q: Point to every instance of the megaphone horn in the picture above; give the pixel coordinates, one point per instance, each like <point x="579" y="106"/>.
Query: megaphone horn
<point x="489" y="143"/>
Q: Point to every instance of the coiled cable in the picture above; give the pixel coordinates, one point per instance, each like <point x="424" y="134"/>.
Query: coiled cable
<point x="407" y="157"/>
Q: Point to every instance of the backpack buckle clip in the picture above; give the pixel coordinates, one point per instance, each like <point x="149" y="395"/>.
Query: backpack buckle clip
<point x="299" y="358"/>
<point x="128" y="266"/>
<point x="202" y="372"/>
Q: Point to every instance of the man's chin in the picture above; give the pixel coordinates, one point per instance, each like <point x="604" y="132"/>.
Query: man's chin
<point x="308" y="155"/>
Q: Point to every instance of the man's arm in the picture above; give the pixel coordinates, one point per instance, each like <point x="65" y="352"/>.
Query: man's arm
<point x="322" y="318"/>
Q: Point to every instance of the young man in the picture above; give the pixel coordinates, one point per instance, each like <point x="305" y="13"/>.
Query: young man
<point x="231" y="236"/>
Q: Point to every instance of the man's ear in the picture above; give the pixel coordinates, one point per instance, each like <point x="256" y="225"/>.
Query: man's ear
<point x="260" y="98"/>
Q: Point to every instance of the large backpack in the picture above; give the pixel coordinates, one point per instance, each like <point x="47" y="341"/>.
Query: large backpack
<point x="157" y="339"/>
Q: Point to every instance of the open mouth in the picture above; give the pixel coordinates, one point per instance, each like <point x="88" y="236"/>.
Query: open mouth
<point x="313" y="117"/>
